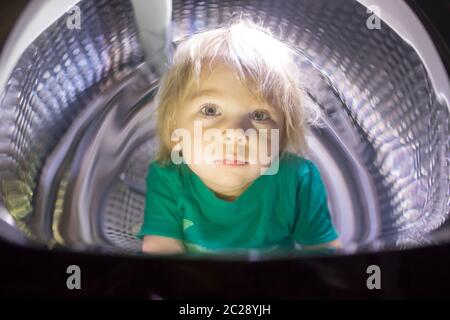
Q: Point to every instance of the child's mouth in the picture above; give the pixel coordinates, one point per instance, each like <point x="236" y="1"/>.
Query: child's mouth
<point x="231" y="162"/>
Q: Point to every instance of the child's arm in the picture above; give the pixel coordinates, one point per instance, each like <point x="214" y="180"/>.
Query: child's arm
<point x="335" y="244"/>
<point x="162" y="229"/>
<point x="162" y="245"/>
<point x="314" y="228"/>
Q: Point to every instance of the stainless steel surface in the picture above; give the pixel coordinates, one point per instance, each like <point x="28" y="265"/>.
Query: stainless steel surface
<point x="76" y="126"/>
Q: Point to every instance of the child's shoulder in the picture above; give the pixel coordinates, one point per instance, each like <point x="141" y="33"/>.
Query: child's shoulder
<point x="167" y="170"/>
<point x="296" y="165"/>
<point x="294" y="161"/>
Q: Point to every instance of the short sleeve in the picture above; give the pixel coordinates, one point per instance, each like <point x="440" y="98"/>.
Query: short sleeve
<point x="313" y="224"/>
<point x="161" y="216"/>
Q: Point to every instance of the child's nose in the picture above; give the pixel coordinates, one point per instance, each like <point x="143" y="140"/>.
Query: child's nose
<point x="239" y="125"/>
<point x="234" y="132"/>
<point x="235" y="136"/>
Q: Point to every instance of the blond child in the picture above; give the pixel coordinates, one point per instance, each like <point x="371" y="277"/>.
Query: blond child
<point x="224" y="194"/>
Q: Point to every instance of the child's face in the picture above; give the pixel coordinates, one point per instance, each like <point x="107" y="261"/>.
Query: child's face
<point x="223" y="103"/>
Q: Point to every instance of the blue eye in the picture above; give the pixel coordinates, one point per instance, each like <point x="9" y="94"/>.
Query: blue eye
<point x="210" y="110"/>
<point x="260" y="115"/>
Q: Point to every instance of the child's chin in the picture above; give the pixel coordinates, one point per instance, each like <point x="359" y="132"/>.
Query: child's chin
<point x="236" y="177"/>
<point x="228" y="175"/>
<point x="232" y="183"/>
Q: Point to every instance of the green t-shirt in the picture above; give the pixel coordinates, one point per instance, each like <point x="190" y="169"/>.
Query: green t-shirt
<point x="273" y="212"/>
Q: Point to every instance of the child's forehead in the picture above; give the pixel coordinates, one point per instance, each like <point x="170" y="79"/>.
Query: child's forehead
<point x="218" y="80"/>
<point x="216" y="72"/>
<point x="222" y="92"/>
<point x="211" y="92"/>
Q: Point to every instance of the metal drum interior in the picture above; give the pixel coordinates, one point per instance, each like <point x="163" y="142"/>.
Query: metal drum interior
<point x="77" y="129"/>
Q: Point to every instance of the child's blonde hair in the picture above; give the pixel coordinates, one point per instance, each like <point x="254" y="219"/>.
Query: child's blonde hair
<point x="264" y="64"/>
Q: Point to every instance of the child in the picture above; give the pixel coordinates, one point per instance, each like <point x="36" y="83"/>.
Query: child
<point x="236" y="77"/>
